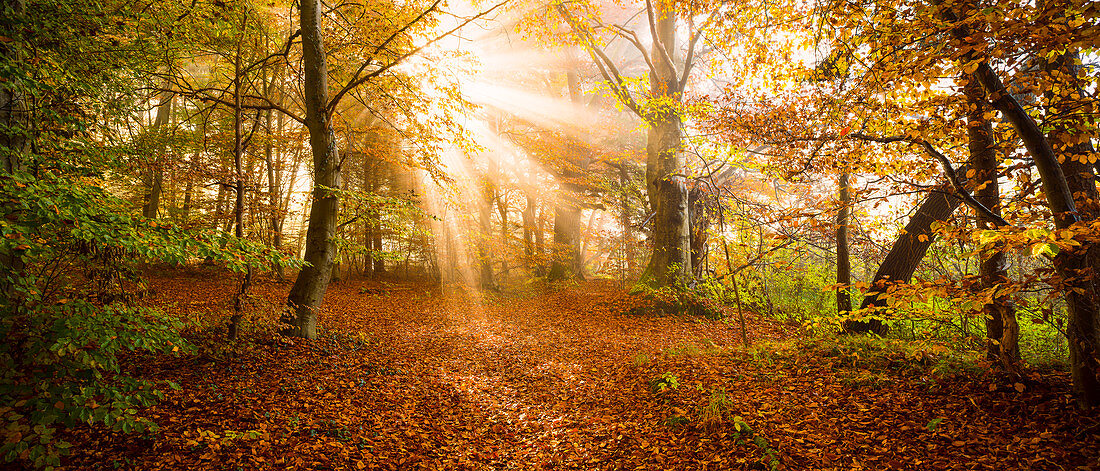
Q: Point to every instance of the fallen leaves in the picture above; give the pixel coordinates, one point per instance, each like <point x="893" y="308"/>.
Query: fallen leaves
<point x="423" y="379"/>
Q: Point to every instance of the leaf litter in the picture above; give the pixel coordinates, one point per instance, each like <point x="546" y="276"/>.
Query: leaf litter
<point x="405" y="377"/>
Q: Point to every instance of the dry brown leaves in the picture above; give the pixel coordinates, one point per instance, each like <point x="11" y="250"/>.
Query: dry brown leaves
<point x="415" y="378"/>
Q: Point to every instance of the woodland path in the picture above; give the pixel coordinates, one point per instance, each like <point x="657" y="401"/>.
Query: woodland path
<point x="409" y="378"/>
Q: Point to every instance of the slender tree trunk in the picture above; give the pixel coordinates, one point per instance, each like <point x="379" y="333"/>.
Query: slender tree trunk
<point x="274" y="154"/>
<point x="485" y="223"/>
<point x="239" y="186"/>
<point x="312" y="282"/>
<point x="156" y="170"/>
<point x="502" y="210"/>
<point x="628" y="229"/>
<point x="1002" y="330"/>
<point x="529" y="232"/>
<point x="540" y="240"/>
<point x="843" y="263"/>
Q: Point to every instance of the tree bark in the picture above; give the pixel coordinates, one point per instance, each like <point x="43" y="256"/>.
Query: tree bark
<point x="239" y="187"/>
<point x="151" y="208"/>
<point x="529" y="232"/>
<point x="1002" y="330"/>
<point x="670" y="263"/>
<point x="566" y="261"/>
<point x="843" y="263"/>
<point x="1083" y="326"/>
<point x="904" y="256"/>
<point x="699" y="223"/>
<point x="485" y="220"/>
<point x="312" y="282"/>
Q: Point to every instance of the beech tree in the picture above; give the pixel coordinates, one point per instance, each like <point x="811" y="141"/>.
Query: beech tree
<point x="662" y="111"/>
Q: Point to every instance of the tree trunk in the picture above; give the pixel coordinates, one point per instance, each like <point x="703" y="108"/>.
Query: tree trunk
<point x="274" y="182"/>
<point x="312" y="282"/>
<point x="484" y="255"/>
<point x="843" y="263"/>
<point x="670" y="263"/>
<point x="540" y="240"/>
<point x="156" y="171"/>
<point x="904" y="256"/>
<point x="1083" y="328"/>
<point x="1002" y="330"/>
<point x="1074" y="147"/>
<point x="566" y="259"/>
<point x="700" y="225"/>
<point x="502" y="210"/>
<point x="628" y="229"/>
<point x="529" y="232"/>
<point x="238" y="207"/>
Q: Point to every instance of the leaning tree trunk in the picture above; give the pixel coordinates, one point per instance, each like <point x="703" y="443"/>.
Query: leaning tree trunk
<point x="1002" y="330"/>
<point x="312" y="282"/>
<point x="904" y="256"/>
<point x="1083" y="326"/>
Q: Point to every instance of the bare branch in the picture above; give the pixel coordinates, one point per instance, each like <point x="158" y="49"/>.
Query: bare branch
<point x="958" y="184"/>
<point x="381" y="70"/>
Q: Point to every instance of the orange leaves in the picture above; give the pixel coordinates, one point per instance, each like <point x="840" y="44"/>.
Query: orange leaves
<point x="409" y="377"/>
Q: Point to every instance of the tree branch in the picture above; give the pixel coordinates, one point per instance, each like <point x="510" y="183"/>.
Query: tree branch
<point x="957" y="183"/>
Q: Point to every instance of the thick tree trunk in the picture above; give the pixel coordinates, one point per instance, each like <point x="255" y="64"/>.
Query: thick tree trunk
<point x="843" y="263"/>
<point x="904" y="256"/>
<point x="1082" y="328"/>
<point x="567" y="258"/>
<point x="1074" y="147"/>
<point x="312" y="282"/>
<point x="566" y="261"/>
<point x="670" y="263"/>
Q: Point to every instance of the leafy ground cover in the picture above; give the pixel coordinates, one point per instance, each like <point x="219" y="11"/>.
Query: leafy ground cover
<point x="409" y="378"/>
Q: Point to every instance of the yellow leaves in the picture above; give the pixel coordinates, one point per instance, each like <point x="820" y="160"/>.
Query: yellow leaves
<point x="971" y="67"/>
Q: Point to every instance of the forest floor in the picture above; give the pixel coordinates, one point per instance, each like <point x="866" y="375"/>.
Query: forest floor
<point x="405" y="377"/>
